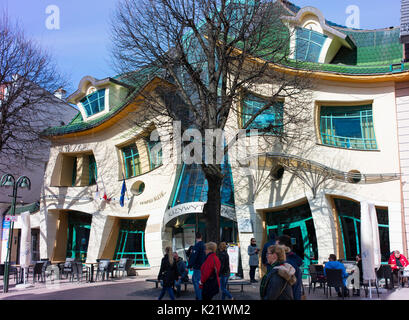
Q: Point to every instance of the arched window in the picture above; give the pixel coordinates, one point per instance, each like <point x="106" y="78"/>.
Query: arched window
<point x="94" y="102"/>
<point x="308" y="44"/>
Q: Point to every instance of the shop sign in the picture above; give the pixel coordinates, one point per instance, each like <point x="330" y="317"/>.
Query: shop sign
<point x="233" y="252"/>
<point x="196" y="207"/>
<point x="6" y="230"/>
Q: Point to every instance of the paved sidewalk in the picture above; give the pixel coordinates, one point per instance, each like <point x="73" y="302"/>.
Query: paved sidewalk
<point x="136" y="288"/>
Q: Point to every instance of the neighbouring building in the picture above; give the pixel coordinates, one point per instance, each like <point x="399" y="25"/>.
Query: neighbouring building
<point x="357" y="153"/>
<point x="32" y="165"/>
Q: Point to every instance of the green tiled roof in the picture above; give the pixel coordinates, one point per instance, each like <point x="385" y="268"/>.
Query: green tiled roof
<point x="377" y="47"/>
<point x="32" y="207"/>
<point x="374" y="53"/>
<point x="135" y="79"/>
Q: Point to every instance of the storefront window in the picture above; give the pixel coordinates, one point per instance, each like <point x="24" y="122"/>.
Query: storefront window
<point x="131" y="242"/>
<point x="349" y="215"/>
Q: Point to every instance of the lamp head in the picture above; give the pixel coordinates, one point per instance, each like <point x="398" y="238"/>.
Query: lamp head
<point x="24" y="182"/>
<point x="7" y="180"/>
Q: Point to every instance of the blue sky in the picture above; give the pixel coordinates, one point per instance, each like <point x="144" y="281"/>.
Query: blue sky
<point x="81" y="45"/>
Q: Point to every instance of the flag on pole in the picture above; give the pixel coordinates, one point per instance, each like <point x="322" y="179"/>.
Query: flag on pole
<point x="123" y="190"/>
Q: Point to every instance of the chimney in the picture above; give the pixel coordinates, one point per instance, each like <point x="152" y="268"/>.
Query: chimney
<point x="60" y="93"/>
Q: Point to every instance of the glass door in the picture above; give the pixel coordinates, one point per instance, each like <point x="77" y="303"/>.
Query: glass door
<point x="77" y="245"/>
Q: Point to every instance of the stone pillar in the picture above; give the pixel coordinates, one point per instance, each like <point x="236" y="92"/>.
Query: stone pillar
<point x="101" y="227"/>
<point x="250" y="225"/>
<point x="325" y="229"/>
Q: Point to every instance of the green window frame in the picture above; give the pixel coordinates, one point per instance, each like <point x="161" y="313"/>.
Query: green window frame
<point x="131" y="160"/>
<point x="94" y="102"/>
<point x="308" y="44"/>
<point x="131" y="242"/>
<point x="348" y="127"/>
<point x="155" y="156"/>
<point x="270" y="121"/>
<point x="74" y="172"/>
<point x="92" y="169"/>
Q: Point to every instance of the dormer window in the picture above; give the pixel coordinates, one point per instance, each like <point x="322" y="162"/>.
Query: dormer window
<point x="94" y="102"/>
<point x="308" y="45"/>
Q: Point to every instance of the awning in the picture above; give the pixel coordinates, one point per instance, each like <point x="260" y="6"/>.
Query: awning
<point x="313" y="173"/>
<point x="31" y="207"/>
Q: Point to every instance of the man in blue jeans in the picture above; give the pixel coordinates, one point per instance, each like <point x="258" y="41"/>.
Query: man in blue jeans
<point x="334" y="264"/>
<point x="196" y="259"/>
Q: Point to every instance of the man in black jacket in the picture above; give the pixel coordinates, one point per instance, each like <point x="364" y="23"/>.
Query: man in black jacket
<point x="196" y="259"/>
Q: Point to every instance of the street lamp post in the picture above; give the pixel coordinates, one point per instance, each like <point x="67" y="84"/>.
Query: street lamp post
<point x="8" y="181"/>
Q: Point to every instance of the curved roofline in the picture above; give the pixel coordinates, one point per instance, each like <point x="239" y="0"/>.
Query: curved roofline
<point x="84" y="83"/>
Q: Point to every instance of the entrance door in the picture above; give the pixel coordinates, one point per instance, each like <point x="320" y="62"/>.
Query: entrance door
<point x="299" y="238"/>
<point x="77" y="245"/>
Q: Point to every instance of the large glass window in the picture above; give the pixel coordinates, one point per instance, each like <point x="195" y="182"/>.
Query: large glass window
<point x="131" y="160"/>
<point x="348" y="127"/>
<point x="349" y="215"/>
<point x="131" y="242"/>
<point x="79" y="227"/>
<point x="193" y="186"/>
<point x="308" y="44"/>
<point x="271" y="120"/>
<point x="94" y="102"/>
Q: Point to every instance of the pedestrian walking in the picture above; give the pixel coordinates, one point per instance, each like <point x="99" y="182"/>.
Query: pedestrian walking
<point x="276" y="284"/>
<point x="253" y="251"/>
<point x="196" y="259"/>
<point x="210" y="270"/>
<point x="168" y="273"/>
<point x="224" y="270"/>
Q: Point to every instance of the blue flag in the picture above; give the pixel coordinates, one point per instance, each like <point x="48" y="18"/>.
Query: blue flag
<point x="123" y="190"/>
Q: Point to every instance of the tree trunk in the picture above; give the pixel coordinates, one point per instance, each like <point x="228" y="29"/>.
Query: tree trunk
<point x="212" y="209"/>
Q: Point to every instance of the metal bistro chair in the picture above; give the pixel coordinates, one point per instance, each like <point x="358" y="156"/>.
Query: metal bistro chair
<point x="37" y="270"/>
<point x="316" y="276"/>
<point x="123" y="266"/>
<point x="78" y="270"/>
<point x="67" y="268"/>
<point x="44" y="272"/>
<point x="335" y="280"/>
<point x="104" y="267"/>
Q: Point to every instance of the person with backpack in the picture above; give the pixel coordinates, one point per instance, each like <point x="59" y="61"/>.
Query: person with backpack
<point x="224" y="270"/>
<point x="196" y="259"/>
<point x="277" y="283"/>
<point x="182" y="271"/>
<point x="210" y="270"/>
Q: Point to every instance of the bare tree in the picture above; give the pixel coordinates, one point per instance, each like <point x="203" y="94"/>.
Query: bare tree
<point x="210" y="53"/>
<point x="27" y="76"/>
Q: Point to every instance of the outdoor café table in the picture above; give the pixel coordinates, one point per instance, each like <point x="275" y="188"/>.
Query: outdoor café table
<point x="92" y="264"/>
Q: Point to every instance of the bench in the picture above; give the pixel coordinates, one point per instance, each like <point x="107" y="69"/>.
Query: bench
<point x="240" y="283"/>
<point x="156" y="281"/>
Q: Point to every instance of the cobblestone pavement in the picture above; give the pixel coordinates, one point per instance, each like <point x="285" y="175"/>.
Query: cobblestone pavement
<point x="136" y="288"/>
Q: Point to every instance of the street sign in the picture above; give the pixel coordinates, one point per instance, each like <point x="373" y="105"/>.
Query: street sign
<point x="10" y="218"/>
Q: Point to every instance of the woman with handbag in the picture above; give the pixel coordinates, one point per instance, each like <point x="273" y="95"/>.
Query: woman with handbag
<point x="277" y="283"/>
<point x="209" y="280"/>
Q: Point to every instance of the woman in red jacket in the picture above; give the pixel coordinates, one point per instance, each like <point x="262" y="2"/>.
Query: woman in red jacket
<point x="209" y="279"/>
<point x="398" y="261"/>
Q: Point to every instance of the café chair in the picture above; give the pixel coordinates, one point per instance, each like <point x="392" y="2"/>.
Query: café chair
<point x="316" y="276"/>
<point x="123" y="266"/>
<point x="335" y="280"/>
